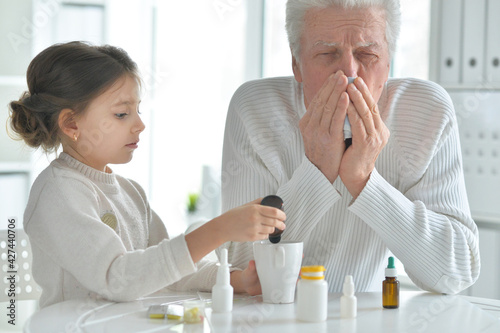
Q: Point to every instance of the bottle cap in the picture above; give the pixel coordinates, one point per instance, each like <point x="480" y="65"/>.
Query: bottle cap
<point x="276" y="202"/>
<point x="312" y="272"/>
<point x="348" y="286"/>
<point x="223" y="271"/>
<point x="391" y="271"/>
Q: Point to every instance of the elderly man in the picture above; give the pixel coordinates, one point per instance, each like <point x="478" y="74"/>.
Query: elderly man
<point x="398" y="188"/>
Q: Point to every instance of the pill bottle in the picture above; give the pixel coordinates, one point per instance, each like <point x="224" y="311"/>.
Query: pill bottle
<point x="390" y="287"/>
<point x="312" y="294"/>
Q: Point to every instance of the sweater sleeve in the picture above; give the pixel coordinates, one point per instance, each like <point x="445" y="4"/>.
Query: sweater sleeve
<point x="252" y="167"/>
<point x="429" y="226"/>
<point x="75" y="239"/>
<point x="202" y="280"/>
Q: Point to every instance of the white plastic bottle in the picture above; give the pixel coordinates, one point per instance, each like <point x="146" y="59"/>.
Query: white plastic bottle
<point x="348" y="302"/>
<point x="312" y="294"/>
<point x="222" y="291"/>
<point x="347" y="124"/>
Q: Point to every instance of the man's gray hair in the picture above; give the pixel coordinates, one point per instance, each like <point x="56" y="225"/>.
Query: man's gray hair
<point x="296" y="10"/>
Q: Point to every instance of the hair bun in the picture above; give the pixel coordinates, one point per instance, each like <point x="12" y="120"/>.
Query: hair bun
<point x="28" y="122"/>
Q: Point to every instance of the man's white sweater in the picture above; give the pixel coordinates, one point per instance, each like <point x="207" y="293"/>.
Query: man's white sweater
<point x="414" y="204"/>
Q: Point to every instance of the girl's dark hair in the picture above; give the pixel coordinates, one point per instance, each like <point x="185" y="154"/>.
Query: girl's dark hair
<point x="68" y="75"/>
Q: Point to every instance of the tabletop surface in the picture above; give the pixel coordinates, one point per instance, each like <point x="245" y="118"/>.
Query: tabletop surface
<point x="418" y="312"/>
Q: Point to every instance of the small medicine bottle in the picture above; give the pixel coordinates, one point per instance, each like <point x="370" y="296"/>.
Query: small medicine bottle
<point x="348" y="302"/>
<point x="390" y="287"/>
<point x="312" y="294"/>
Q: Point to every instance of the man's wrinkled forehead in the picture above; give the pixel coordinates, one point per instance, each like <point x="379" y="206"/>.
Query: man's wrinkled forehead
<point x="322" y="43"/>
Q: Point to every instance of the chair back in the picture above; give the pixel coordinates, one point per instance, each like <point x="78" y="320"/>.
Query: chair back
<point x="16" y="262"/>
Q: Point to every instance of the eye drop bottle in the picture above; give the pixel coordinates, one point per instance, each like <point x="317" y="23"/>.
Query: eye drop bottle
<point x="390" y="287"/>
<point x="348" y="302"/>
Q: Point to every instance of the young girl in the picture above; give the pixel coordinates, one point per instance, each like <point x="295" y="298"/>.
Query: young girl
<point x="92" y="232"/>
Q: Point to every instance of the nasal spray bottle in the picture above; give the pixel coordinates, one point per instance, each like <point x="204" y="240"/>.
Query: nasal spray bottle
<point x="347" y="124"/>
<point x="390" y="287"/>
<point x="348" y="302"/>
<point x="222" y="291"/>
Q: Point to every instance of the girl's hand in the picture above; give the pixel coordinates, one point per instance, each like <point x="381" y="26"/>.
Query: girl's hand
<point x="250" y="222"/>
<point x="246" y="281"/>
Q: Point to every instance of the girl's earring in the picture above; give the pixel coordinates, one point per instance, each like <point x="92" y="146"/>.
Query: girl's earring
<point x="75" y="137"/>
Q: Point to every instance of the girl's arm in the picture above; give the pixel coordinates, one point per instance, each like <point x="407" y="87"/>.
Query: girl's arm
<point x="249" y="222"/>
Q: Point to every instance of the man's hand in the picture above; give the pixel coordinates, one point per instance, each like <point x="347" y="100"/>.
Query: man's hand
<point x="369" y="137"/>
<point x="322" y="126"/>
<point x="246" y="281"/>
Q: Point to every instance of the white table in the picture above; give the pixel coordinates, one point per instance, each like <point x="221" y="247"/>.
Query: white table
<point x="418" y="312"/>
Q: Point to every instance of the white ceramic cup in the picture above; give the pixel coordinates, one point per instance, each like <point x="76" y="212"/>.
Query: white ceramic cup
<point x="278" y="267"/>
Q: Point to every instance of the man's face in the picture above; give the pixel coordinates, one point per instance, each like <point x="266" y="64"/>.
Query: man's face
<point x="351" y="40"/>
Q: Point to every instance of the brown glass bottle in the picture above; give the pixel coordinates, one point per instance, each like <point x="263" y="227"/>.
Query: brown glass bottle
<point x="390" y="287"/>
<point x="390" y="293"/>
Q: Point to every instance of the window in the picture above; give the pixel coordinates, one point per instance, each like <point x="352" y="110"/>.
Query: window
<point x="412" y="54"/>
<point x="80" y="22"/>
<point x="201" y="61"/>
<point x="277" y="56"/>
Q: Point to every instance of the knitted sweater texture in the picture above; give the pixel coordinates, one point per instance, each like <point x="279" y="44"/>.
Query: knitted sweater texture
<point x="414" y="204"/>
